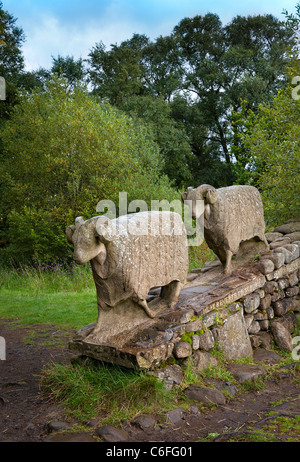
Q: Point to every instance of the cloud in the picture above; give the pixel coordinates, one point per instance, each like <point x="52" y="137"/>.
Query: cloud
<point x="63" y="27"/>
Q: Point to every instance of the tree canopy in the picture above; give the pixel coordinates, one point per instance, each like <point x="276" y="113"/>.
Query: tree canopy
<point x="209" y="103"/>
<point x="63" y="153"/>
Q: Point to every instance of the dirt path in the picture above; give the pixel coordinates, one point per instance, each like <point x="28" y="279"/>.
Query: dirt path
<point x="24" y="412"/>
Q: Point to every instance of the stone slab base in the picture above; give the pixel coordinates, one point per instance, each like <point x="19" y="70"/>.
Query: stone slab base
<point x="231" y="309"/>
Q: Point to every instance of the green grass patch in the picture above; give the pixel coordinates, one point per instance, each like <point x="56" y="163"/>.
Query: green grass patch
<point x="66" y="309"/>
<point x="88" y="388"/>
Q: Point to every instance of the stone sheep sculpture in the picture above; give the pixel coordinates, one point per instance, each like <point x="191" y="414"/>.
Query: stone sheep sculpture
<point x="232" y="215"/>
<point x="130" y="255"/>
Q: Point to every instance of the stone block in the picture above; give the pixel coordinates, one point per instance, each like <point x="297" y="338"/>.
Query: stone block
<point x="265" y="266"/>
<point x="246" y="372"/>
<point x="254" y="328"/>
<point x="283" y="283"/>
<point x="204" y="395"/>
<point x="182" y="350"/>
<point x="277" y="296"/>
<point x="294" y="249"/>
<point x="273" y="236"/>
<point x="279" y="308"/>
<point x="270" y="287"/>
<point x="206" y="341"/>
<point x="251" y="302"/>
<point x="265" y="302"/>
<point x="293" y="279"/>
<point x="282" y="337"/>
<point x="201" y="360"/>
<point x="233" y="338"/>
<point x="292" y="291"/>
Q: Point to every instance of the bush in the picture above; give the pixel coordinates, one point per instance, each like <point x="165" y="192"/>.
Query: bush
<point x="63" y="152"/>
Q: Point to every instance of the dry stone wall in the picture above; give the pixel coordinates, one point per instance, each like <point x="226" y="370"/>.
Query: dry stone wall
<point x="256" y="305"/>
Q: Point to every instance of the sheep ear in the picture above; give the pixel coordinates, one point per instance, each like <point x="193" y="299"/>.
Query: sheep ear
<point x="69" y="233"/>
<point x="211" y="196"/>
<point x="105" y="229"/>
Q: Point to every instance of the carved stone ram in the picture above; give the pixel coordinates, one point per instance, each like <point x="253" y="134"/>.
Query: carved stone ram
<point x="130" y="255"/>
<point x="232" y="215"/>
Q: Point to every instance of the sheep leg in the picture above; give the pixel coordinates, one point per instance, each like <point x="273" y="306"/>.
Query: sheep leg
<point x="227" y="269"/>
<point x="147" y="309"/>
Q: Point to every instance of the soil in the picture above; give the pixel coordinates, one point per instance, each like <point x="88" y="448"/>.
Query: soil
<point x="25" y="412"/>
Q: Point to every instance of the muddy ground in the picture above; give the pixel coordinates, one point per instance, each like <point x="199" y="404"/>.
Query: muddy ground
<point x="25" y="413"/>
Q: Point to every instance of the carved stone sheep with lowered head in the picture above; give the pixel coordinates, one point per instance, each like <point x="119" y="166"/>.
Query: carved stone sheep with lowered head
<point x="130" y="255"/>
<point x="232" y="215"/>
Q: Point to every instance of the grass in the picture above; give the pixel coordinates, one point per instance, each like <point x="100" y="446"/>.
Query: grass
<point x="88" y="388"/>
<point x="58" y="293"/>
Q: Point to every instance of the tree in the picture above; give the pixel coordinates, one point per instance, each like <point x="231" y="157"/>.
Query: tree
<point x="272" y="139"/>
<point x="63" y="153"/>
<point x="171" y="137"/>
<point x="11" y="59"/>
<point x="222" y="65"/>
<point x="117" y="73"/>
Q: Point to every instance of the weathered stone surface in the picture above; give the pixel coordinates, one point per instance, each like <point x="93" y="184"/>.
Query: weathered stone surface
<point x="270" y="287"/>
<point x="235" y="215"/>
<point x="265" y="302"/>
<point x="201" y="360"/>
<point x="282" y="337"/>
<point x="248" y="320"/>
<point x="246" y="372"/>
<point x="273" y="236"/>
<point x="204" y="395"/>
<point x="279" y="243"/>
<point x="287" y="228"/>
<point x="265" y="339"/>
<point x="270" y="312"/>
<point x="283" y="283"/>
<point x="264" y="324"/>
<point x="56" y="426"/>
<point x="289" y="321"/>
<point x="265" y="356"/>
<point x="130" y="255"/>
<point x="292" y="291"/>
<point x="276" y="257"/>
<point x="251" y="302"/>
<point x="182" y="350"/>
<point x="206" y="341"/>
<point x="294" y="249"/>
<point x="193" y="326"/>
<point x="279" y="308"/>
<point x="254" y="328"/>
<point x="233" y="337"/>
<point x="171" y="375"/>
<point x="294" y="237"/>
<point x="288" y="256"/>
<point x="175" y="416"/>
<point x="293" y="279"/>
<point x="260" y="316"/>
<point x="284" y="270"/>
<point x="111" y="434"/>
<point x="195" y="342"/>
<point x="129" y="356"/>
<point x="265" y="266"/>
<point x="277" y="296"/>
<point x="145" y="422"/>
<point x="179" y="316"/>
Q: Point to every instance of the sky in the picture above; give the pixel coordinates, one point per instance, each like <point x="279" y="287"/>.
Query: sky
<point x="73" y="27"/>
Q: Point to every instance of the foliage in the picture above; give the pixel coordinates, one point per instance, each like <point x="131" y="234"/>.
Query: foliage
<point x="11" y="59"/>
<point x="272" y="139"/>
<point x="89" y="388"/>
<point x="63" y="152"/>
